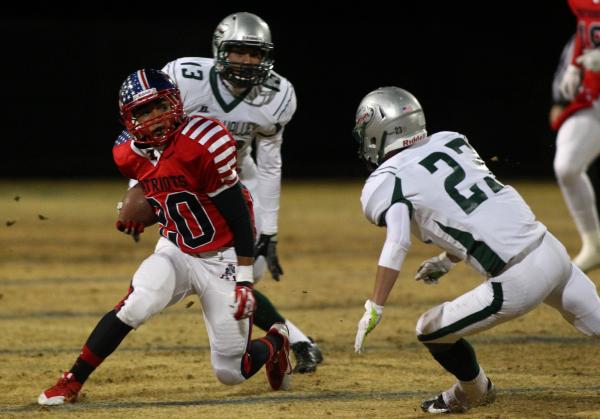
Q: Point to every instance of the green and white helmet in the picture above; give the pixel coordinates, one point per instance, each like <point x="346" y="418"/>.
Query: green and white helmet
<point x="387" y="119"/>
<point x="243" y="30"/>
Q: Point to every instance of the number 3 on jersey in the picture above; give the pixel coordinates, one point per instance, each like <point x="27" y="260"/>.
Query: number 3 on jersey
<point x="193" y="235"/>
<point x="193" y="72"/>
<point x="469" y="204"/>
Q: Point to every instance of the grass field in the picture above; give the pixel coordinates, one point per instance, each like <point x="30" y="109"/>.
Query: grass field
<point x="63" y="265"/>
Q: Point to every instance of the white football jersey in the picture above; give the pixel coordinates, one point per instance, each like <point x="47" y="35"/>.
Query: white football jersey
<point x="455" y="202"/>
<point x="260" y="115"/>
<point x="263" y="112"/>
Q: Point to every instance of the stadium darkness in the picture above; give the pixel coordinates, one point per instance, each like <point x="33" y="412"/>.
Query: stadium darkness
<point x="486" y="73"/>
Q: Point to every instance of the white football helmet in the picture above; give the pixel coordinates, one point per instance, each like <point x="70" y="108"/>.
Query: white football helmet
<point x="387" y="119"/>
<point x="243" y="30"/>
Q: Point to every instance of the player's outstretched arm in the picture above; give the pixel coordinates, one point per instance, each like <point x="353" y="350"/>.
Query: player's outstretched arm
<point x="268" y="157"/>
<point x="395" y="247"/>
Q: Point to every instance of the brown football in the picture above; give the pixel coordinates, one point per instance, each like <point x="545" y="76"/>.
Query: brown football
<point x="136" y="207"/>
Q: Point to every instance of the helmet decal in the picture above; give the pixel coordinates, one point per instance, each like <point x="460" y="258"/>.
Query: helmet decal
<point x="388" y="118"/>
<point x="144" y="87"/>
<point x="364" y="115"/>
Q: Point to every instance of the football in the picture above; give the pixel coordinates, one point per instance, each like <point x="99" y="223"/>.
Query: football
<point x="135" y="207"/>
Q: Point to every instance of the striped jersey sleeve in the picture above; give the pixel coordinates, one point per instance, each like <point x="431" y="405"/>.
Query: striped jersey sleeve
<point x="219" y="161"/>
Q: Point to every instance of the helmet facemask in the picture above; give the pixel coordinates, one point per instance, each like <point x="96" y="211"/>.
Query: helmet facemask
<point x="244" y="31"/>
<point x="145" y="132"/>
<point x="245" y="74"/>
<point x="369" y="148"/>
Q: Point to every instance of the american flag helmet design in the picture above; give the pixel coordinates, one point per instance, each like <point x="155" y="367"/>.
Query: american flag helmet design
<point x="145" y="86"/>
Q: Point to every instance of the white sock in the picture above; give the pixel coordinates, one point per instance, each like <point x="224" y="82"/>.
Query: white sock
<point x="296" y="334"/>
<point x="475" y="388"/>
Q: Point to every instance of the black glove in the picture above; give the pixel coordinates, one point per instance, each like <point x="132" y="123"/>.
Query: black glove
<point x="267" y="247"/>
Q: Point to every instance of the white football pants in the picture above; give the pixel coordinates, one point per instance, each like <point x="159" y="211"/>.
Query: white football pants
<point x="545" y="275"/>
<point x="168" y="276"/>
<point x="577" y="146"/>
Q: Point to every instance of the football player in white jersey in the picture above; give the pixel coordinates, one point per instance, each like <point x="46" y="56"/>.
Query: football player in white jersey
<point x="438" y="187"/>
<point x="239" y="88"/>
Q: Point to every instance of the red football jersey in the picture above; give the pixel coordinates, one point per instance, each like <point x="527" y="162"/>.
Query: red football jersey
<point x="197" y="164"/>
<point x="587" y="37"/>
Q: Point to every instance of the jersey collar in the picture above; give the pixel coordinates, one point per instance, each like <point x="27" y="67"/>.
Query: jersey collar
<point x="214" y="84"/>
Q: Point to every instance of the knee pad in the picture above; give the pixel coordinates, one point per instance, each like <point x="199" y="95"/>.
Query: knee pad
<point x="565" y="173"/>
<point x="430" y="322"/>
<point x="153" y="285"/>
<point x="228" y="369"/>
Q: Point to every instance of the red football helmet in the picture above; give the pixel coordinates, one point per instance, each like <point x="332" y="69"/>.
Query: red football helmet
<point x="142" y="88"/>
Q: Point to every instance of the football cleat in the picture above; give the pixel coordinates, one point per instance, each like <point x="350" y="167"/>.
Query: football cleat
<point x="308" y="355"/>
<point x="438" y="405"/>
<point x="64" y="391"/>
<point x="315" y="351"/>
<point x="279" y="367"/>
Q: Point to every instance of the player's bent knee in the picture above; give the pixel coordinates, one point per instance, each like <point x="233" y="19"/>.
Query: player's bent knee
<point x="429" y="322"/>
<point x="228" y="370"/>
<point x="565" y="172"/>
<point x="589" y="324"/>
<point x="153" y="286"/>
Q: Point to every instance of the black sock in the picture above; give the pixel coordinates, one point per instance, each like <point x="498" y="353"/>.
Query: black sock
<point x="458" y="359"/>
<point x="266" y="314"/>
<point x="259" y="352"/>
<point x="104" y="339"/>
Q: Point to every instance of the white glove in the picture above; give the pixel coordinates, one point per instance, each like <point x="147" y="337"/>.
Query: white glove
<point x="432" y="269"/>
<point x="369" y="320"/>
<point x="570" y="82"/>
<point x="590" y="59"/>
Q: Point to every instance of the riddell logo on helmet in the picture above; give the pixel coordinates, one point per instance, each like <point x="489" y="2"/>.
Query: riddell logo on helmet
<point x="411" y="141"/>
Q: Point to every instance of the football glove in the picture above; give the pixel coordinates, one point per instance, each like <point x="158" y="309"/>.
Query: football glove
<point x="133" y="228"/>
<point x="267" y="247"/>
<point x="243" y="300"/>
<point x="369" y="320"/>
<point x="590" y="59"/>
<point x="570" y="82"/>
<point x="433" y="269"/>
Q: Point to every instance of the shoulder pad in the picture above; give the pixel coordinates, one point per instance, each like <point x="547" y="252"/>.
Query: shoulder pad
<point x="123" y="137"/>
<point x="273" y="82"/>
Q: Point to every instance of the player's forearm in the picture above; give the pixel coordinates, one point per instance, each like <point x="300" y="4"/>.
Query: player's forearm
<point x="232" y="205"/>
<point x="268" y="189"/>
<point x="384" y="282"/>
<point x="269" y="193"/>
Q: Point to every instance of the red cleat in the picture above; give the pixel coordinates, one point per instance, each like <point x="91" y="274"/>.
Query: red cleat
<point x="279" y="367"/>
<point x="64" y="391"/>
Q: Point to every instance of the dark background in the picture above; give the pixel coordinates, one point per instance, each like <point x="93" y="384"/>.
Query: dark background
<point x="483" y="69"/>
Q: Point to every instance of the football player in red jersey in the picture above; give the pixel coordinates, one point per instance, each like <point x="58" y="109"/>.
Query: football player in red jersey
<point x="187" y="168"/>
<point x="578" y="138"/>
<point x="239" y="87"/>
